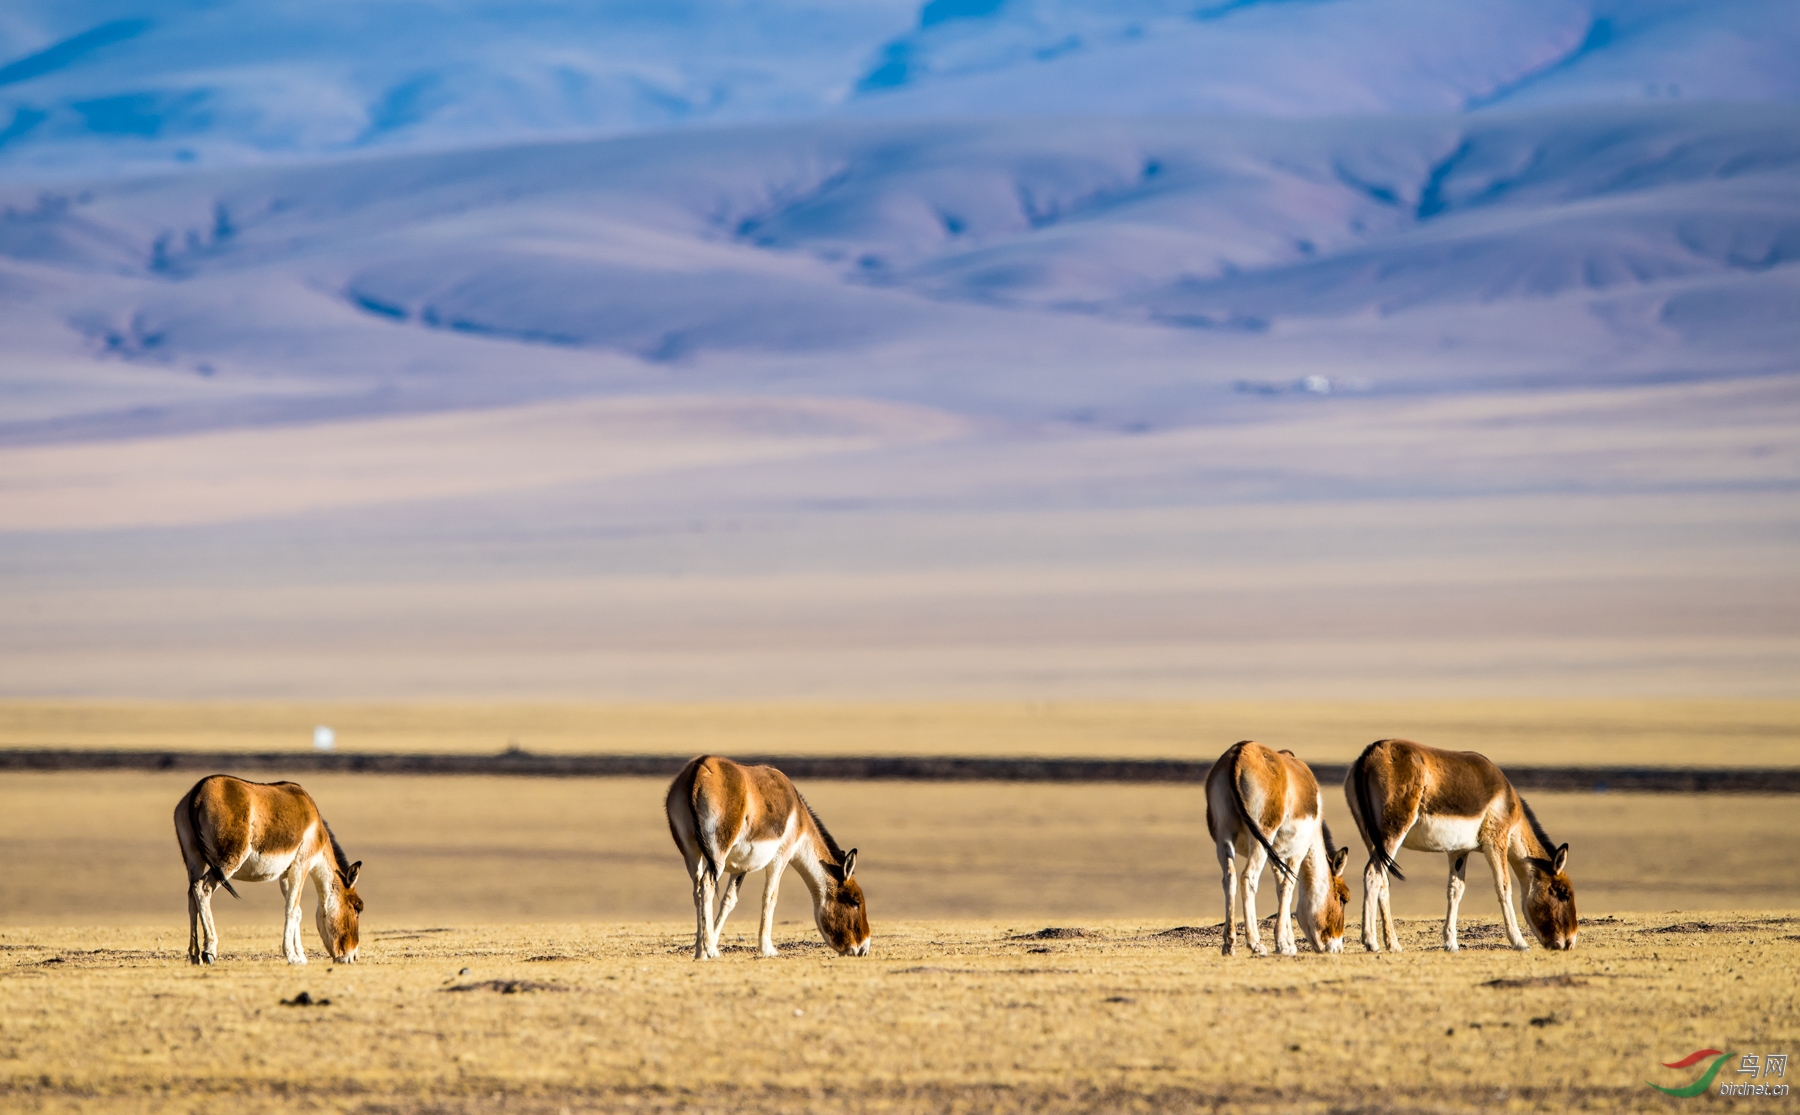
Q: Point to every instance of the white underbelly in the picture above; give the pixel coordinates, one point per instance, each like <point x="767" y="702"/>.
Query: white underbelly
<point x="260" y="868"/>
<point x="1444" y="834"/>
<point x="751" y="855"/>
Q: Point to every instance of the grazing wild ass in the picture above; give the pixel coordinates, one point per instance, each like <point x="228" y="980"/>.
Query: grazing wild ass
<point x="233" y="829"/>
<point x="1407" y="795"/>
<point x="1266" y="803"/>
<point x="729" y="820"/>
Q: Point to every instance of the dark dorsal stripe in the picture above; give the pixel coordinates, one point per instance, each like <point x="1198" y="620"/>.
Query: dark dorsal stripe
<point x="1547" y="846"/>
<point x="837" y="853"/>
<point x="337" y="850"/>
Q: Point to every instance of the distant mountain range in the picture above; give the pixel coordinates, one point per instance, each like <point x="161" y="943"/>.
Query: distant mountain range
<point x="113" y="86"/>
<point x="495" y="297"/>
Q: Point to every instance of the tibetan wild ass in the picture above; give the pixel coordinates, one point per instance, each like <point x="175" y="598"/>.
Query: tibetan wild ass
<point x="1456" y="802"/>
<point x="729" y="820"/>
<point x="233" y="829"/>
<point x="1261" y="803"/>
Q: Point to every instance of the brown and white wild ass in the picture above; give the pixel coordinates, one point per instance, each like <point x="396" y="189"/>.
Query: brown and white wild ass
<point x="1404" y="794"/>
<point x="251" y="831"/>
<point x="729" y="820"/>
<point x="1261" y="803"/>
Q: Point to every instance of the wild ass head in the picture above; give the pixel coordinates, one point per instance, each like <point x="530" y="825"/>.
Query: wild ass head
<point x="1323" y="915"/>
<point x="340" y="914"/>
<point x="1550" y="901"/>
<point x="842" y="914"/>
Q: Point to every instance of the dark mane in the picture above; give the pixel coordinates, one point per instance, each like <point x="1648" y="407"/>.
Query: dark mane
<point x="337" y="850"/>
<point x="1545" y="844"/>
<point x="837" y="853"/>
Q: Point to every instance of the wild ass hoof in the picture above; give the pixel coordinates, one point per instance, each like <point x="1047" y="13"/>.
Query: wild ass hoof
<point x="297" y="960"/>
<point x="1450" y="945"/>
<point x="206" y="958"/>
<point x="1229" y="948"/>
<point x="1290" y="949"/>
<point x="1522" y="946"/>
<point x="1260" y="949"/>
<point x="769" y="953"/>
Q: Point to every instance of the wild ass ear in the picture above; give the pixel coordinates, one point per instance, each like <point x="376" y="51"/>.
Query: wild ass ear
<point x="849" y="862"/>
<point x="1560" y="861"/>
<point x="350" y="875"/>
<point x="1337" y="861"/>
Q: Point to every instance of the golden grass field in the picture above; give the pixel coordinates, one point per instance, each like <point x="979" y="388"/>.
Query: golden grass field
<point x="573" y="887"/>
<point x="966" y="1016"/>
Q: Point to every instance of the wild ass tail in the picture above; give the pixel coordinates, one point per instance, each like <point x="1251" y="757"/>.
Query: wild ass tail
<point x="713" y="866"/>
<point x="1237" y="798"/>
<point x="1370" y="819"/>
<point x="209" y="856"/>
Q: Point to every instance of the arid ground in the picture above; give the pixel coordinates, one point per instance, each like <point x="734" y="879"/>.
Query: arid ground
<point x="568" y="892"/>
<point x="964" y="1015"/>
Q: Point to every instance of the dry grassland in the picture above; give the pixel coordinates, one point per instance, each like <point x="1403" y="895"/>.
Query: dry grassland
<point x="99" y="849"/>
<point x="1670" y="733"/>
<point x="945" y="1016"/>
<point x="565" y="902"/>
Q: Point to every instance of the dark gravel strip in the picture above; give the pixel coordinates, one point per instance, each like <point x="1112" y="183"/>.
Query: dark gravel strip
<point x="1664" y="780"/>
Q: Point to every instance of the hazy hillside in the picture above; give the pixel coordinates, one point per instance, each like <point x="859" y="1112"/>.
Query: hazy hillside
<point x="976" y="346"/>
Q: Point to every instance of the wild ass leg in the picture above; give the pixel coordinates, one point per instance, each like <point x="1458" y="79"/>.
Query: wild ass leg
<point x="1459" y="863"/>
<point x="727" y="903"/>
<point x="209" y="932"/>
<point x="1496" y="858"/>
<point x="765" y="934"/>
<point x="1374" y="883"/>
<point x="209" y="929"/>
<point x="1386" y="906"/>
<point x="704" y="886"/>
<point x="193" y="902"/>
<point x="1253" y="867"/>
<point x="293" y="885"/>
<point x="1284" y="923"/>
<point x="1228" y="864"/>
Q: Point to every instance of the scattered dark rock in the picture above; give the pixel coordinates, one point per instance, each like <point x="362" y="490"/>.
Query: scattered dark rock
<point x="305" y="999"/>
<point x="1480" y="931"/>
<point x="1546" y="1020"/>
<point x="508" y="986"/>
<point x="1538" y="981"/>
<point x="1701" y="927"/>
<point x="538" y="959"/>
<point x="1118" y="999"/>
<point x="1051" y="933"/>
<point x="1210" y="934"/>
<point x="462" y="971"/>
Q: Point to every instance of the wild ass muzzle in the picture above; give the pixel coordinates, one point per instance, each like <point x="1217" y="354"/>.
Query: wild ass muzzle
<point x="729" y="820"/>
<point x="1406" y="795"/>
<point x="1265" y="804"/>
<point x="253" y="832"/>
